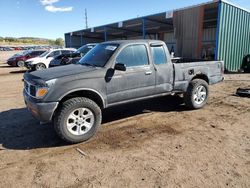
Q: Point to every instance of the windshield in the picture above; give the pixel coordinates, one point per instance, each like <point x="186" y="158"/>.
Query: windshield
<point x="99" y="55"/>
<point x="45" y="53"/>
<point x="84" y="49"/>
<point x="22" y="53"/>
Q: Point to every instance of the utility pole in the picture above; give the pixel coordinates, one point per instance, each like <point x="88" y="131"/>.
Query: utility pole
<point x="86" y="18"/>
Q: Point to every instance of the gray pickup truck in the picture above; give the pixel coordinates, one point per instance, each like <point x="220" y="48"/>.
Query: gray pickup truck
<point x="113" y="73"/>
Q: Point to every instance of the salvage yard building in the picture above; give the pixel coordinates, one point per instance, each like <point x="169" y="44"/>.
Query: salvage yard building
<point x="217" y="30"/>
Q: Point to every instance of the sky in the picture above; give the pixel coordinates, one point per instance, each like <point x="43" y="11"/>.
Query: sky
<point x="52" y="18"/>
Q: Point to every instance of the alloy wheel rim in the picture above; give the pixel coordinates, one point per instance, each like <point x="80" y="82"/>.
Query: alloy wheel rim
<point x="40" y="67"/>
<point x="200" y="94"/>
<point x="80" y="121"/>
<point x="20" y="64"/>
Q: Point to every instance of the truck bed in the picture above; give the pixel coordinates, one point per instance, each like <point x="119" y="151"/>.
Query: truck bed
<point x="212" y="71"/>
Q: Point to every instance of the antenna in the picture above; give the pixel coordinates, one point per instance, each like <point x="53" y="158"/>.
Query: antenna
<point x="86" y="19"/>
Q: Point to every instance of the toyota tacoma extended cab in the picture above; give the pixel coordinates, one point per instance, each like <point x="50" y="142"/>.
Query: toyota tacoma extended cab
<point x="113" y="73"/>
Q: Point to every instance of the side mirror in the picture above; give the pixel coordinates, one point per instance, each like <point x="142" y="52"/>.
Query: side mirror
<point x="120" y="67"/>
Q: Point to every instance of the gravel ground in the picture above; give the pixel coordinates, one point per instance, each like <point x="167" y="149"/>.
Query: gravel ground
<point x="155" y="143"/>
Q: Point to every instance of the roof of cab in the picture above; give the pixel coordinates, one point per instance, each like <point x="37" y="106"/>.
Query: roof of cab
<point x="132" y="41"/>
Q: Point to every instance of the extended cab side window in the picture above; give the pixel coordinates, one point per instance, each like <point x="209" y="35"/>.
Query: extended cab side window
<point x="159" y="55"/>
<point x="133" y="55"/>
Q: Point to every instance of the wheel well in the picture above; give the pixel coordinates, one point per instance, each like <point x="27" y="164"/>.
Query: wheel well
<point x="85" y="93"/>
<point x="201" y="76"/>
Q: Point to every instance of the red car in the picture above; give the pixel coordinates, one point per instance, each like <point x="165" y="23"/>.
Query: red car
<point x="18" y="59"/>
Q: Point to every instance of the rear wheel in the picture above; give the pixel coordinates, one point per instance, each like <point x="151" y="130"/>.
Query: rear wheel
<point x="40" y="66"/>
<point x="197" y="93"/>
<point x="77" y="120"/>
<point x="20" y="63"/>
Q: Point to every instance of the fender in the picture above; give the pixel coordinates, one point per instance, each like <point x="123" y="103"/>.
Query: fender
<point x="84" y="89"/>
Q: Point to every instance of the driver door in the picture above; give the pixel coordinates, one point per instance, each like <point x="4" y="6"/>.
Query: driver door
<point x="137" y="81"/>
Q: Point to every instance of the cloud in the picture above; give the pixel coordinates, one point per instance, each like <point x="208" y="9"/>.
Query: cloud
<point x="48" y="2"/>
<point x="52" y="8"/>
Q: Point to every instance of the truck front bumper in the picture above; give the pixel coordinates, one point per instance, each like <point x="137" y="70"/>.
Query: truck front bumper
<point x="41" y="111"/>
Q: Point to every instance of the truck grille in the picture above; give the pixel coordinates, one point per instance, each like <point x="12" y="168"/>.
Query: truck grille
<point x="30" y="89"/>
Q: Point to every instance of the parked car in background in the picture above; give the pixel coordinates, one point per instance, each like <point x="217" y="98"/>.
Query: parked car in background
<point x="42" y="62"/>
<point x="19" y="59"/>
<point x="246" y="63"/>
<point x="8" y="49"/>
<point x="71" y="58"/>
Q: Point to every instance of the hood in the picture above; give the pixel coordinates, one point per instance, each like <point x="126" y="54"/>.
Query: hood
<point x="67" y="70"/>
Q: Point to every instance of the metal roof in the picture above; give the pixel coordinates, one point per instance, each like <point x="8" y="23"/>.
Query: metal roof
<point x="133" y="27"/>
<point x="128" y="28"/>
<point x="232" y="4"/>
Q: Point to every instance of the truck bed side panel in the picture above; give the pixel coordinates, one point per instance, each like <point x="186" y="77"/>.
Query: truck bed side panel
<point x="185" y="72"/>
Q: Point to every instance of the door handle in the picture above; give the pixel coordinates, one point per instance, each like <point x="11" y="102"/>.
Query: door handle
<point x="148" y="73"/>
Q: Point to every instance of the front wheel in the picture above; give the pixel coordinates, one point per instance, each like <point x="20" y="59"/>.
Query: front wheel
<point x="197" y="93"/>
<point x="20" y="63"/>
<point x="77" y="119"/>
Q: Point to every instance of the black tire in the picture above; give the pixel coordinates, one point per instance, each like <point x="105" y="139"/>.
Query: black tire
<point x="189" y="96"/>
<point x="62" y="114"/>
<point x="243" y="92"/>
<point x="20" y="64"/>
<point x="40" y="66"/>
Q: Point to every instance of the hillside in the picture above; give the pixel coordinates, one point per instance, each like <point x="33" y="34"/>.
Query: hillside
<point x="30" y="41"/>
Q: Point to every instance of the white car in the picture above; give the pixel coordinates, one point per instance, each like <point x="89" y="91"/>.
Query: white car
<point x="42" y="62"/>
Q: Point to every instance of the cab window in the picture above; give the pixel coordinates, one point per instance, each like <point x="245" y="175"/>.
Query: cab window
<point x="133" y="55"/>
<point x="159" y="55"/>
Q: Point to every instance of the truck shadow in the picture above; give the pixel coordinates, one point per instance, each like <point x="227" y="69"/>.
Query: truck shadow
<point x="20" y="131"/>
<point x="162" y="104"/>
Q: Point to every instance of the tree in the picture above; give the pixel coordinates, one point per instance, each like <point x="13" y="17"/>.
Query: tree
<point x="10" y="39"/>
<point x="59" y="42"/>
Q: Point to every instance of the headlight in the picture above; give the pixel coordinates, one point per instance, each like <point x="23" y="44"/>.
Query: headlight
<point x="42" y="91"/>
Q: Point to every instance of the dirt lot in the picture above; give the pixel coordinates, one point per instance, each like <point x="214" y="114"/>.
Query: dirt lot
<point x="157" y="143"/>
